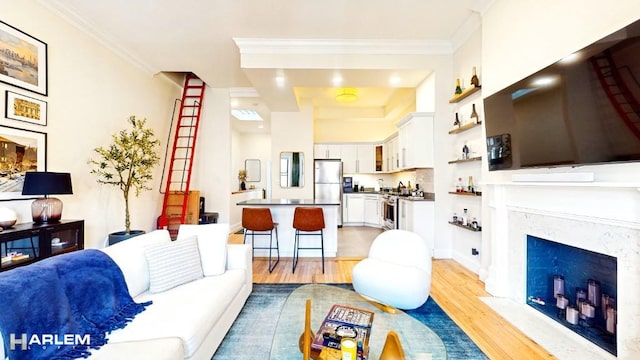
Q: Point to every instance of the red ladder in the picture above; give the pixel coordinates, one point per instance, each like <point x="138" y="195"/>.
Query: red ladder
<point x="174" y="205"/>
<point x="617" y="91"/>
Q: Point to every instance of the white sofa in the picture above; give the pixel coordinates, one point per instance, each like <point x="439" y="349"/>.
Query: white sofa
<point x="188" y="321"/>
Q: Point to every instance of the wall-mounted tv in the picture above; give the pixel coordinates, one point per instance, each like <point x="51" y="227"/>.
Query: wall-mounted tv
<point x="583" y="109"/>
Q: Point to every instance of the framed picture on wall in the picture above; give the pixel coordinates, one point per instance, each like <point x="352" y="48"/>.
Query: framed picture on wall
<point x="25" y="108"/>
<point x="20" y="151"/>
<point x="23" y="60"/>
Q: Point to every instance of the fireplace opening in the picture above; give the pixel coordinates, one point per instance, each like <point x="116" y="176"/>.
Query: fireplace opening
<point x="575" y="287"/>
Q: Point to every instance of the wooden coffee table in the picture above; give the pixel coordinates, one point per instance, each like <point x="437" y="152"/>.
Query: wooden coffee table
<point x="418" y="341"/>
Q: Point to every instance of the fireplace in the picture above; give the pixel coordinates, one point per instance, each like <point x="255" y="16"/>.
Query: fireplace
<point x="602" y="219"/>
<point x="575" y="287"/>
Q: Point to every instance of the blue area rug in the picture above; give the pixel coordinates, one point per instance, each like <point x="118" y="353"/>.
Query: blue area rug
<point x="251" y="334"/>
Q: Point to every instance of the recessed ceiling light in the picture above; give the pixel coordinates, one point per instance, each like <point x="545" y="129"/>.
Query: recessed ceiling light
<point x="394" y="80"/>
<point x="234" y="103"/>
<point x="246" y="115"/>
<point x="280" y="80"/>
<point x="337" y="80"/>
<point x="570" y="58"/>
<point x="544" y="81"/>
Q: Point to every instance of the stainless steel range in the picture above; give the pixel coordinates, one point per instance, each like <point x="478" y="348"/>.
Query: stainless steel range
<point x="390" y="211"/>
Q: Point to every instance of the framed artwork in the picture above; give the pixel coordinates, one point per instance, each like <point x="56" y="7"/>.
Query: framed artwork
<point x="23" y="60"/>
<point x="20" y="151"/>
<point x="25" y="108"/>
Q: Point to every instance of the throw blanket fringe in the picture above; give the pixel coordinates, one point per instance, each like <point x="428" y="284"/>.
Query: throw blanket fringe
<point x="81" y="293"/>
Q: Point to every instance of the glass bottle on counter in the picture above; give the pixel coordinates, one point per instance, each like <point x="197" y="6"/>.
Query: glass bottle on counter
<point x="458" y="88"/>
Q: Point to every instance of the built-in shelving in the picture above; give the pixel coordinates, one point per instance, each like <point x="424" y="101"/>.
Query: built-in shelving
<point x="465" y="193"/>
<point x="464" y="127"/>
<point x="477" y="158"/>
<point x="466" y="227"/>
<point x="467" y="92"/>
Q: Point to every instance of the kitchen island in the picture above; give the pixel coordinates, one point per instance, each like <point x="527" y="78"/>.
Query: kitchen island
<point x="282" y="213"/>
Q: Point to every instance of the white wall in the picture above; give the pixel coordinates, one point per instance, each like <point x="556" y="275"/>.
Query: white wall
<point x="292" y="131"/>
<point x="252" y="146"/>
<point x="92" y="92"/>
<point x="212" y="173"/>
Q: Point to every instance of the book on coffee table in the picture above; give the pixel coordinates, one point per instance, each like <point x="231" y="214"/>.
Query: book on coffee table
<point x="344" y="321"/>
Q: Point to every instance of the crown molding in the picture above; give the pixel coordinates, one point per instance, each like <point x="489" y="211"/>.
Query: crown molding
<point x="464" y="32"/>
<point x="68" y="14"/>
<point x="343" y="46"/>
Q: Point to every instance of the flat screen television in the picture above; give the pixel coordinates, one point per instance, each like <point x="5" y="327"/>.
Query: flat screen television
<point x="583" y="109"/>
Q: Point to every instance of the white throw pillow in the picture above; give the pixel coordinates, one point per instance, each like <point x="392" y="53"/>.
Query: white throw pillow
<point x="212" y="242"/>
<point x="173" y="264"/>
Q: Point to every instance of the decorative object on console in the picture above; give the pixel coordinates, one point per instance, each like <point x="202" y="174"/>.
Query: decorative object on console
<point x="128" y="164"/>
<point x="46" y="209"/>
<point x="8" y="217"/>
<point x="28" y="74"/>
<point x="242" y="176"/>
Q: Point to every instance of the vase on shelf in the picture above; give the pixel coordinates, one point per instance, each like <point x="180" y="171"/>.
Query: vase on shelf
<point x="243" y="186"/>
<point x="474" y="78"/>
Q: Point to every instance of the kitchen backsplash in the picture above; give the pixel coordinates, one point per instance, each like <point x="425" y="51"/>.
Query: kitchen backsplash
<point x="423" y="177"/>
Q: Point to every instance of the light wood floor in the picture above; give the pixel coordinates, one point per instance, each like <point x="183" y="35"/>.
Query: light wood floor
<point x="454" y="288"/>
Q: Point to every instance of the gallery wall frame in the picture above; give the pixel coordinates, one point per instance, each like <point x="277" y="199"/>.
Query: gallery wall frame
<point x="25" y="108"/>
<point x="23" y="60"/>
<point x="20" y="151"/>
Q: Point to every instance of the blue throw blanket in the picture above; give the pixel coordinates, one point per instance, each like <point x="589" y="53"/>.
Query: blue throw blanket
<point x="61" y="306"/>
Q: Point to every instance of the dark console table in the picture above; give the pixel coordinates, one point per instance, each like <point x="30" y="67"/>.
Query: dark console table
<point x="33" y="242"/>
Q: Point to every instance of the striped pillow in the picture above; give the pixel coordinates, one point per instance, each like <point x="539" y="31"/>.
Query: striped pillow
<point x="172" y="264"/>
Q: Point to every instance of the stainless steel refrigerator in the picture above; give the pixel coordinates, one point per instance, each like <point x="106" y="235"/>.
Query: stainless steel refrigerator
<point x="327" y="181"/>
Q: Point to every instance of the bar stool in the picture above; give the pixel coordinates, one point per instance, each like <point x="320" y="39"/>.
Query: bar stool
<point x="309" y="220"/>
<point x="258" y="221"/>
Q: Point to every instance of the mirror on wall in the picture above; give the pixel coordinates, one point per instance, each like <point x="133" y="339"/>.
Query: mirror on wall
<point x="252" y="167"/>
<point x="291" y="169"/>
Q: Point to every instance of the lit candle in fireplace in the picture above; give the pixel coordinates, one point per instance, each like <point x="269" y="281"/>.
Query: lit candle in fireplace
<point x="572" y="315"/>
<point x="588" y="310"/>
<point x="606" y="302"/>
<point x="558" y="285"/>
<point x="611" y="319"/>
<point x="562" y="302"/>
<point x="593" y="292"/>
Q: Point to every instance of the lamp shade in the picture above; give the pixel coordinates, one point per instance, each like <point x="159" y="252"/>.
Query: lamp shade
<point x="46" y="183"/>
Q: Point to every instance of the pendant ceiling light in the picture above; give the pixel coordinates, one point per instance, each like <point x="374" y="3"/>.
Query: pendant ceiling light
<point x="346" y="95"/>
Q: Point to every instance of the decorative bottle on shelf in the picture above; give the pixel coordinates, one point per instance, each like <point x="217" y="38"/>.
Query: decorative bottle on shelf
<point x="474" y="224"/>
<point x="474" y="78"/>
<point x="459" y="186"/>
<point x="470" y="187"/>
<point x="458" y="88"/>
<point x="465" y="151"/>
<point x="474" y="114"/>
<point x="456" y="123"/>
<point x="455" y="218"/>
<point x="465" y="217"/>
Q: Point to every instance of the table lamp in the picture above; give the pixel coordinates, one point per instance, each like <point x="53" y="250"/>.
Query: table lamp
<point x="46" y="209"/>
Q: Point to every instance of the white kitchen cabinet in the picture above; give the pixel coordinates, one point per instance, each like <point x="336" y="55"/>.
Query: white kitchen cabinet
<point x="353" y="209"/>
<point x="392" y="154"/>
<point x="417" y="216"/>
<point x="372" y="210"/>
<point x="358" y="158"/>
<point x="326" y="151"/>
<point x="415" y="141"/>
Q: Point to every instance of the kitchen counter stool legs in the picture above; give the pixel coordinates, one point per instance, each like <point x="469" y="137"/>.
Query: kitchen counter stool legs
<point x="258" y="222"/>
<point x="308" y="221"/>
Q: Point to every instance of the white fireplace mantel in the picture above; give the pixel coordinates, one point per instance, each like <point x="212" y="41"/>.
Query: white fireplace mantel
<point x="598" y="217"/>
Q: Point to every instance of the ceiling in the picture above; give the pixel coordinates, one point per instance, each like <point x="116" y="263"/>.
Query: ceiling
<point x="244" y="45"/>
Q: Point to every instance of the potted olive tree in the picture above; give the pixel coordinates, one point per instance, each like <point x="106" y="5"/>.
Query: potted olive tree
<point x="127" y="164"/>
